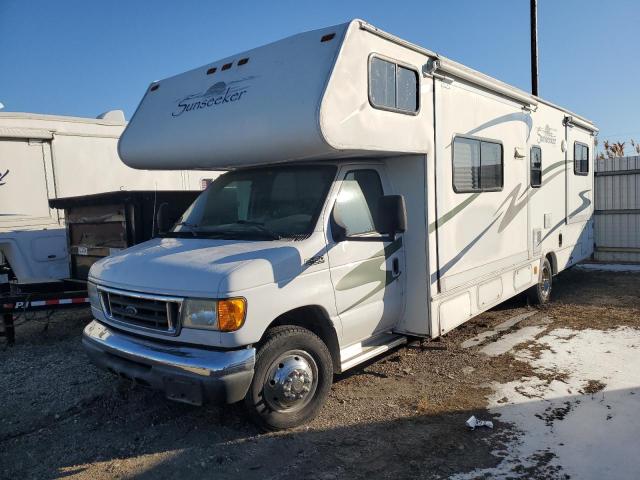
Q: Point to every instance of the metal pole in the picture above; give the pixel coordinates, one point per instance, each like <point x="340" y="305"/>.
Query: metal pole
<point x="534" y="47"/>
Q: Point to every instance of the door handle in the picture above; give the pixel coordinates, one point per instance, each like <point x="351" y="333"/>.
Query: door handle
<point x="395" y="265"/>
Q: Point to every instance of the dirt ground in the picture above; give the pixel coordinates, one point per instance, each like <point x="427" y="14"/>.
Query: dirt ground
<point x="401" y="416"/>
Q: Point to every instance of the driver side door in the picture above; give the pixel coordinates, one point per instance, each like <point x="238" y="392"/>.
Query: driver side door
<point x="366" y="269"/>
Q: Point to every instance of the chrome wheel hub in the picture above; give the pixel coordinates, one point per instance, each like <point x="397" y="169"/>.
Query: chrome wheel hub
<point x="291" y="381"/>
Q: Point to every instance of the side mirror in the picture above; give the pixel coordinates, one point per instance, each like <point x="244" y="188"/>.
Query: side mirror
<point x="162" y="220"/>
<point x="338" y="228"/>
<point x="392" y="215"/>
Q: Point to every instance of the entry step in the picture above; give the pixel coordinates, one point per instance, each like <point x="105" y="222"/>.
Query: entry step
<point x="361" y="352"/>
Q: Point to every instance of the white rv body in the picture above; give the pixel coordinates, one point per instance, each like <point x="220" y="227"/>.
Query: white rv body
<point x="45" y="157"/>
<point x="309" y="100"/>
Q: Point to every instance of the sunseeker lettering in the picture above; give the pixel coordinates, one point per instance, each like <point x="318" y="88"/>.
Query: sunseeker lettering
<point x="547" y="134"/>
<point x="218" y="94"/>
<point x="229" y="96"/>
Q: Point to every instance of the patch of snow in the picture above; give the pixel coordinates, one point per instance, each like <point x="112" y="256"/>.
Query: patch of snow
<point x="506" y="325"/>
<point x="562" y="429"/>
<point x="510" y="340"/>
<point x="610" y="267"/>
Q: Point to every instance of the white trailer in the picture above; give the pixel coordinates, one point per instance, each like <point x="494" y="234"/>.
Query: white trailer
<point x="377" y="191"/>
<point x="47" y="157"/>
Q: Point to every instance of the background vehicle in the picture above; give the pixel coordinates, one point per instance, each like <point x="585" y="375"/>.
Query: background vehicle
<point x="50" y="161"/>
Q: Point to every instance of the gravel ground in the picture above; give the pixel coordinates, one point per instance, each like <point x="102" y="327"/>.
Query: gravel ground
<point x="401" y="416"/>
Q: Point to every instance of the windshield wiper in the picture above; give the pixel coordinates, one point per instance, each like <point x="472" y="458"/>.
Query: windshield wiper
<point x="191" y="226"/>
<point x="260" y="226"/>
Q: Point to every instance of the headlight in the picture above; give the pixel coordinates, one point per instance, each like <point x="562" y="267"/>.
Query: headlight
<point x="94" y="296"/>
<point x="226" y="315"/>
<point x="199" y="314"/>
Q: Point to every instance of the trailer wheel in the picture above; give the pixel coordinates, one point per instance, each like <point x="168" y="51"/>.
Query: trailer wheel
<point x="292" y="378"/>
<point x="540" y="294"/>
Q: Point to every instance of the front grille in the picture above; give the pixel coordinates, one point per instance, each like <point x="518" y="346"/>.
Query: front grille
<point x="140" y="310"/>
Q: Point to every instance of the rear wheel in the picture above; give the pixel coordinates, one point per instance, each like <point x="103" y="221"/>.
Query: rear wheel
<point x="540" y="294"/>
<point x="292" y="378"/>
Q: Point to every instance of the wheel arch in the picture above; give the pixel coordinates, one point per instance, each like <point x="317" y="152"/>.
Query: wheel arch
<point x="315" y="319"/>
<point x="553" y="260"/>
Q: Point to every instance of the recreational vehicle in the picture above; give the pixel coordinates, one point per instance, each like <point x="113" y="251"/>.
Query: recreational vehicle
<point x="376" y="191"/>
<point x="48" y="157"/>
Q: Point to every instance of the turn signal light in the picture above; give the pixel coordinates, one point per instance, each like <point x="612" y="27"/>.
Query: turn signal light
<point x="231" y="314"/>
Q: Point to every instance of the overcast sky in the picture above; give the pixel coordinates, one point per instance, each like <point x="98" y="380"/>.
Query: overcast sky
<point x="85" y="57"/>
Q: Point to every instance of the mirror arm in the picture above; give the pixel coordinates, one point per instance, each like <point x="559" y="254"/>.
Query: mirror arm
<point x="379" y="238"/>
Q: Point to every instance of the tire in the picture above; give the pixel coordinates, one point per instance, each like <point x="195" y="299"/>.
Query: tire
<point x="540" y="294"/>
<point x="292" y="379"/>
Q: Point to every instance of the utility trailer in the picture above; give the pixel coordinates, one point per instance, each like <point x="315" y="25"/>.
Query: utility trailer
<point x="106" y="223"/>
<point x="49" y="163"/>
<point x="97" y="226"/>
<point x="376" y="192"/>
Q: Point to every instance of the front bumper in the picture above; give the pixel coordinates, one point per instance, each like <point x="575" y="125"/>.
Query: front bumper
<point x="185" y="374"/>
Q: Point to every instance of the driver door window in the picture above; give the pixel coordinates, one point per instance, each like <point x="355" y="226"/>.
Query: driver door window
<point x="357" y="202"/>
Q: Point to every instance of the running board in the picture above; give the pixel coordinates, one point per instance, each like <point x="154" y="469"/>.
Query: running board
<point x="361" y="352"/>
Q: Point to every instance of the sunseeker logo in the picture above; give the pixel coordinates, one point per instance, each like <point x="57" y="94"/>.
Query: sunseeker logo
<point x="3" y="176"/>
<point x="217" y="94"/>
<point x="547" y="134"/>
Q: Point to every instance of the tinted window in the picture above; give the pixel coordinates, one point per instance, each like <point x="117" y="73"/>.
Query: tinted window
<point x="477" y="165"/>
<point x="490" y="166"/>
<point x="357" y="202"/>
<point x="466" y="164"/>
<point x="393" y="86"/>
<point x="580" y="159"/>
<point x="260" y="203"/>
<point x="536" y="166"/>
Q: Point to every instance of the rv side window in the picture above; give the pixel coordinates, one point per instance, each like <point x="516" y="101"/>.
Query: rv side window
<point x="392" y="86"/>
<point x="357" y="202"/>
<point x="536" y="166"/>
<point x="477" y="165"/>
<point x="580" y="158"/>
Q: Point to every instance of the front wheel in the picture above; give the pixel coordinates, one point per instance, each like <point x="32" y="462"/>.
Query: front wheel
<point x="540" y="294"/>
<point x="292" y="378"/>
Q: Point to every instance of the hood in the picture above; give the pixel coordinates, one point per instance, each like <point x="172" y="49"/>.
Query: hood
<point x="199" y="267"/>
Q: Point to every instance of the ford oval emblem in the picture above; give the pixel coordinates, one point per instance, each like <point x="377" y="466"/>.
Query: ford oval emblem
<point x="131" y="310"/>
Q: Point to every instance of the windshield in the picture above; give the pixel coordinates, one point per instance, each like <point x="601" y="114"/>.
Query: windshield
<point x="259" y="203"/>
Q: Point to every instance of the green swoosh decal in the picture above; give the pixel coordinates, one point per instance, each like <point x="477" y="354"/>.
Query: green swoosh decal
<point x="552" y="166"/>
<point x="513" y="208"/>
<point x="453" y="212"/>
<point x="465" y="203"/>
<point x="369" y="271"/>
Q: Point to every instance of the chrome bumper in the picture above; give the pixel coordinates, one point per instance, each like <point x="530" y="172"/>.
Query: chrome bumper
<point x="185" y="374"/>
